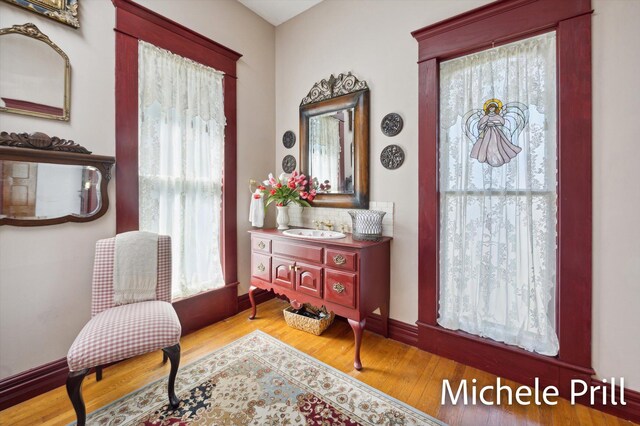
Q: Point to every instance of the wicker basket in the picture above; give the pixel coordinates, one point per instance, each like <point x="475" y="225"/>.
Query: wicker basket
<point x="307" y="324"/>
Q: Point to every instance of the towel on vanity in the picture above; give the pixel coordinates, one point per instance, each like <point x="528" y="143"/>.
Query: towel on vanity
<point x="256" y="210"/>
<point x="135" y="267"/>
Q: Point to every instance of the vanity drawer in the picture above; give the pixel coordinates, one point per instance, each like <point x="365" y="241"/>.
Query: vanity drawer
<point x="340" y="287"/>
<point x="310" y="253"/>
<point x="261" y="244"/>
<point x="261" y="266"/>
<point x="340" y="259"/>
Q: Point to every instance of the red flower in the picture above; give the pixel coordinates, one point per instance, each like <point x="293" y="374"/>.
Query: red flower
<point x="313" y="192"/>
<point x="291" y="185"/>
<point x="310" y="197"/>
<point x="261" y="188"/>
<point x="256" y="196"/>
<point x="278" y="185"/>
<point x="304" y="195"/>
<point x="272" y="192"/>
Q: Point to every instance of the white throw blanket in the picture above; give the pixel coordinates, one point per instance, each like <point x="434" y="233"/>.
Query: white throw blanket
<point x="135" y="267"/>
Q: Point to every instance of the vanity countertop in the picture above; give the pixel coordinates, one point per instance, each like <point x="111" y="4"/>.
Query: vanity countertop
<point x="347" y="241"/>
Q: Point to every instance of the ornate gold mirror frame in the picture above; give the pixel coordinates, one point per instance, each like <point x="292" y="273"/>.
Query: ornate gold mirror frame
<point x="30" y="30"/>
<point x="65" y="11"/>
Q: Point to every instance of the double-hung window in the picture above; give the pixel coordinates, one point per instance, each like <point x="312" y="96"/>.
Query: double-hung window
<point x="498" y="178"/>
<point x="180" y="155"/>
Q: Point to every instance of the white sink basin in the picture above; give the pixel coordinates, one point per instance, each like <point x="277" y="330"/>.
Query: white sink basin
<point x="314" y="234"/>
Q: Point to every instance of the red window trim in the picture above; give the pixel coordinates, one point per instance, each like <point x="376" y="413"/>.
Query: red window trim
<point x="508" y="21"/>
<point x="133" y="23"/>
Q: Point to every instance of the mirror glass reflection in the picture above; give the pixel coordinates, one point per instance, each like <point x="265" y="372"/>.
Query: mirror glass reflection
<point x="32" y="77"/>
<point x="331" y="150"/>
<point x="35" y="191"/>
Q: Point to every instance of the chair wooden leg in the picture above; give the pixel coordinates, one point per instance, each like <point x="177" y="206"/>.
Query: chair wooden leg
<point x="98" y="373"/>
<point x="173" y="352"/>
<point x="165" y="357"/>
<point x="74" y="390"/>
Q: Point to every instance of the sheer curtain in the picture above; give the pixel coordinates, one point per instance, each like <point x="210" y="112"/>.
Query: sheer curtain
<point x="498" y="194"/>
<point x="324" y="131"/>
<point x="181" y="151"/>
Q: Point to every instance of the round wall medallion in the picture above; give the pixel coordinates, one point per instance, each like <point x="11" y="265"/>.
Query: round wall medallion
<point x="391" y="124"/>
<point x="289" y="139"/>
<point x="289" y="163"/>
<point x="392" y="157"/>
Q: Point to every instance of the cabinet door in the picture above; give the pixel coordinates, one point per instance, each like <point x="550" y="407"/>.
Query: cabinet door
<point x="261" y="266"/>
<point x="340" y="287"/>
<point x="308" y="279"/>
<point x="283" y="272"/>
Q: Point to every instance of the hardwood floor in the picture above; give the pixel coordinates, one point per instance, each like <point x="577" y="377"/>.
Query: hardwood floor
<point x="402" y="371"/>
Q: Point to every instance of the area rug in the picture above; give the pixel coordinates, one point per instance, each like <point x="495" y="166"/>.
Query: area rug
<point x="258" y="380"/>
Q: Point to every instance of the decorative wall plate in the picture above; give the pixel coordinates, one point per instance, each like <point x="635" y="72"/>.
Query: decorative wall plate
<point x="288" y="163"/>
<point x="289" y="139"/>
<point x="391" y="124"/>
<point x="392" y="157"/>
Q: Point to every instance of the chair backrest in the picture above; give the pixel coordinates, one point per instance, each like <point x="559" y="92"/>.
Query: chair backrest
<point x="102" y="289"/>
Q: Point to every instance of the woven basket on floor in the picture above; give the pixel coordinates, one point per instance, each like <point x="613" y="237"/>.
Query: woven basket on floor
<point x="307" y="324"/>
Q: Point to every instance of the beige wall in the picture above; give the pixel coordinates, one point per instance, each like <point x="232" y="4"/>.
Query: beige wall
<point x="376" y="45"/>
<point x="616" y="193"/>
<point x="45" y="273"/>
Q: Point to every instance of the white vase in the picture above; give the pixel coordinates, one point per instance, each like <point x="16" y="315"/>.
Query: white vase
<point x="283" y="217"/>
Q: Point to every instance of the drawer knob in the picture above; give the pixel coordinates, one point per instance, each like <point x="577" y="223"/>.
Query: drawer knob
<point x="339" y="259"/>
<point x="338" y="288"/>
<point x="261" y="267"/>
<point x="261" y="245"/>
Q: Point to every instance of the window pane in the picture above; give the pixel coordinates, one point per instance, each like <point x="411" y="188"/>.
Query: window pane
<point x="181" y="151"/>
<point x="498" y="178"/>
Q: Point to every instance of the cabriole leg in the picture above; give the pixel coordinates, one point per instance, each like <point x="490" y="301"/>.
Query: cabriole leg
<point x="253" y="302"/>
<point x="74" y="390"/>
<point x="357" y="327"/>
<point x="173" y="352"/>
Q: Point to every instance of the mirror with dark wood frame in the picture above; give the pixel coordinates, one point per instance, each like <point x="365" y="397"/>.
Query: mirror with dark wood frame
<point x="45" y="181"/>
<point x="334" y="141"/>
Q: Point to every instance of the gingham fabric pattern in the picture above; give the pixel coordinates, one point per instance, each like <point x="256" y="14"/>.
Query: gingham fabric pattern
<point x="102" y="290"/>
<point x="124" y="332"/>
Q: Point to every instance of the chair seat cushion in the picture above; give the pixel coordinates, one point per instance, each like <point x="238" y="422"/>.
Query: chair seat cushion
<point x="123" y="332"/>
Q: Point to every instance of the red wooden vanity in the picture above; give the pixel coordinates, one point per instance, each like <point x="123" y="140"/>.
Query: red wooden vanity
<point x="350" y="278"/>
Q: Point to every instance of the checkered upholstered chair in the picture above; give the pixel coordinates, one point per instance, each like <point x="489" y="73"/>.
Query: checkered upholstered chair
<point x="115" y="333"/>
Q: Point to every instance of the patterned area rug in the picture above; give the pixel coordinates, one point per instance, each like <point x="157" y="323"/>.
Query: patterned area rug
<point x="258" y="380"/>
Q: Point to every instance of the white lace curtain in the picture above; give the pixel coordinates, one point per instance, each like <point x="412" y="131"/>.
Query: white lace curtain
<point x="181" y="151"/>
<point x="498" y="221"/>
<point x="324" y="132"/>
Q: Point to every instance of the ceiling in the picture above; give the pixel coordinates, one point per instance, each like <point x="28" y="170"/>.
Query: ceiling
<point x="278" y="11"/>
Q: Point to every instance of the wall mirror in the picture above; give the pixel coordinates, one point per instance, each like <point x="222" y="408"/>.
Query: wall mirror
<point x="44" y="181"/>
<point x="334" y="141"/>
<point x="36" y="74"/>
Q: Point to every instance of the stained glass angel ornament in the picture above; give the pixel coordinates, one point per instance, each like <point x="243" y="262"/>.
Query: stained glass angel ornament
<point x="494" y="129"/>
